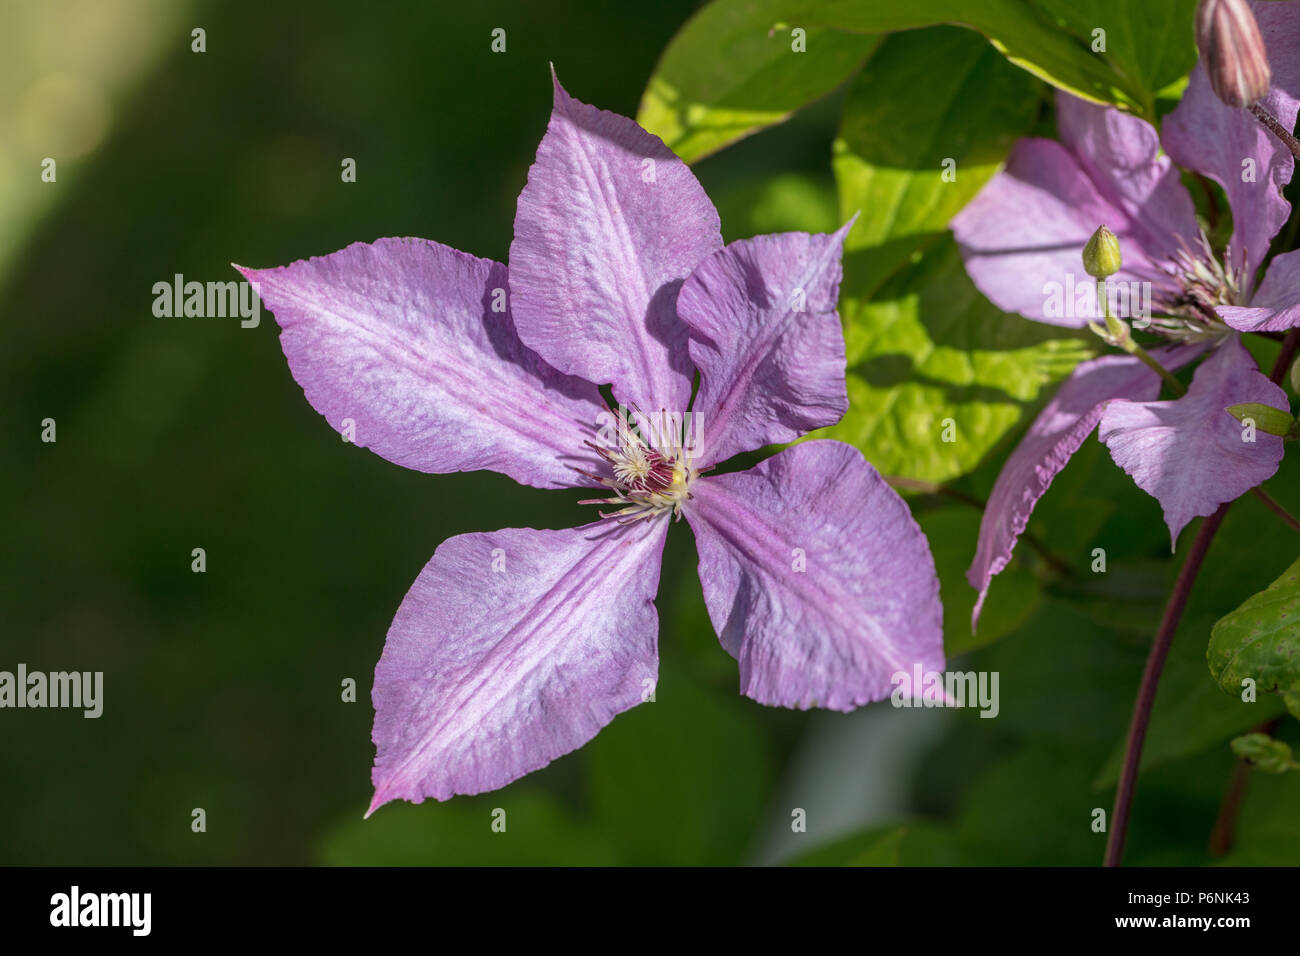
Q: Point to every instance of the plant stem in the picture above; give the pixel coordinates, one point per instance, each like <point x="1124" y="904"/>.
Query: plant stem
<point x="1150" y="681"/>
<point x="1118" y="832"/>
<point x="1277" y="508"/>
<point x="1225" y="824"/>
<point x="1290" y="345"/>
<point x="1175" y="386"/>
<point x="1118" y="334"/>
<point x="1276" y="128"/>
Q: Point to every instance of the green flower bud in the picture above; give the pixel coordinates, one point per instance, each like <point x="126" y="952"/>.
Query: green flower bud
<point x="1295" y="375"/>
<point x="1101" y="256"/>
<point x="1269" y="420"/>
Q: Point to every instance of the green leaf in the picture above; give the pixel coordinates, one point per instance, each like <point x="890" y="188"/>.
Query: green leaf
<point x="732" y="68"/>
<point x="1265" y="753"/>
<point x="728" y="73"/>
<point x="1148" y="43"/>
<point x="1261" y="640"/>
<point x="916" y="144"/>
<point x="936" y="374"/>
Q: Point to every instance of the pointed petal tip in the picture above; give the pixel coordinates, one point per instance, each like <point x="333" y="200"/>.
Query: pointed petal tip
<point x="975" y="611"/>
<point x="559" y="93"/>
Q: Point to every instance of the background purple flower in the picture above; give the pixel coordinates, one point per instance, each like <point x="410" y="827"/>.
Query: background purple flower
<point x="1023" y="234"/>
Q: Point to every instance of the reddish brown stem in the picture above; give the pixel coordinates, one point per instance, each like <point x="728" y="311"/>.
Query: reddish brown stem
<point x="1224" y="831"/>
<point x="1276" y="128"/>
<point x="1151" y="680"/>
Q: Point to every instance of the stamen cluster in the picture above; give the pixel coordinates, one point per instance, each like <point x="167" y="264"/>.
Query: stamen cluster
<point x="646" y="479"/>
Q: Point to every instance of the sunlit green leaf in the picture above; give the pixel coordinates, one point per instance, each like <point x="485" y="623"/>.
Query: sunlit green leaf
<point x="732" y="70"/>
<point x="916" y="144"/>
<point x="936" y="374"/>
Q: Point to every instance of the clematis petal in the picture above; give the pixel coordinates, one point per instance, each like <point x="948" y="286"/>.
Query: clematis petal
<point x="511" y="649"/>
<point x="396" y="343"/>
<point x="816" y="577"/>
<point x="1190" y="454"/>
<point x="767" y="340"/>
<point x="1022" y="236"/>
<point x="1053" y="438"/>
<point x="609" y="225"/>
<point x="1209" y="137"/>
<point x="1121" y="155"/>
<point x="1275" y="306"/>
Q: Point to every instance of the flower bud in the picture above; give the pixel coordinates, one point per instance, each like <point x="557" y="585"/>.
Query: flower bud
<point x="1232" y="51"/>
<point x="1101" y="256"/>
<point x="1295" y="375"/>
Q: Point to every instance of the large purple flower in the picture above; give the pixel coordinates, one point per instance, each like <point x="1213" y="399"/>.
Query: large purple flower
<point x="516" y="646"/>
<point x="1021" y="239"/>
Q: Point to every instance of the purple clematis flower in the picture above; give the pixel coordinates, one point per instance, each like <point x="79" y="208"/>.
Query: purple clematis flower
<point x="515" y="647"/>
<point x="1021" y="239"/>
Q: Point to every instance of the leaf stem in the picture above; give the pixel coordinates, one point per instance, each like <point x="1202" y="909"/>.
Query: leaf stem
<point x="1276" y="128"/>
<point x="1175" y="386"/>
<point x="1290" y="345"/>
<point x="1276" y="507"/>
<point x="1118" y="334"/>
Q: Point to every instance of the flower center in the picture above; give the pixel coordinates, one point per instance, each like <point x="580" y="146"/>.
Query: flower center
<point x="646" y="480"/>
<point x="1198" y="282"/>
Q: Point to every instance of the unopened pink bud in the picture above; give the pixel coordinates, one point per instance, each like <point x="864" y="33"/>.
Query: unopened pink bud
<point x="1232" y="51"/>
